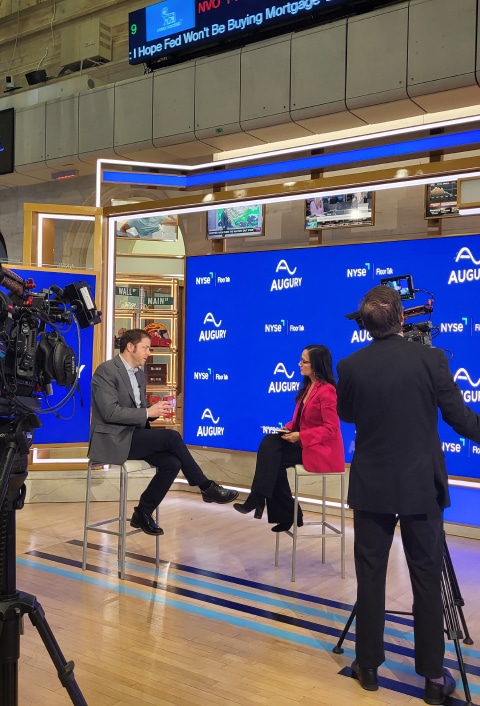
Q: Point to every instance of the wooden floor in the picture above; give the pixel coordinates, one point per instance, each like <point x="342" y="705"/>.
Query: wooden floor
<point x="218" y="624"/>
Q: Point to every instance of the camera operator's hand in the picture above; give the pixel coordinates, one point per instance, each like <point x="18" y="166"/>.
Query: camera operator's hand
<point x="159" y="409"/>
<point x="292" y="437"/>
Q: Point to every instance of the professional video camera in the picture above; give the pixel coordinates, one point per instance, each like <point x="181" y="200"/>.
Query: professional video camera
<point x="33" y="353"/>
<point x="421" y="332"/>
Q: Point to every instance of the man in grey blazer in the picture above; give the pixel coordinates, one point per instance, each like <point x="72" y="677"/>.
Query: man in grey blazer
<point x="120" y="430"/>
<point x="392" y="390"/>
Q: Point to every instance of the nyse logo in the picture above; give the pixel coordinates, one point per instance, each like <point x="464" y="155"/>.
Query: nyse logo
<point x="288" y="385"/>
<point x="204" y="280"/>
<point x="290" y="282"/>
<point x="470" y="274"/>
<point x="212" y="429"/>
<point x="453" y="447"/>
<point x="472" y="394"/>
<point x="458" y="327"/>
<point x="358" y="271"/>
<point x="212" y="334"/>
<point x="202" y="375"/>
<point x="275" y="328"/>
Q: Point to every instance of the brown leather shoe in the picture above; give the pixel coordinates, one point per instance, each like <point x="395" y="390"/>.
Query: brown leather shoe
<point x="367" y="676"/>
<point x="437" y="693"/>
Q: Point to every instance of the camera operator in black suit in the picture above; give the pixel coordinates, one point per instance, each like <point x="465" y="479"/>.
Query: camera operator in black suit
<point x="392" y="390"/>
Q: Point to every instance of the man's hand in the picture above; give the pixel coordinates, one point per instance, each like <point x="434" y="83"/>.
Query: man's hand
<point x="159" y="409"/>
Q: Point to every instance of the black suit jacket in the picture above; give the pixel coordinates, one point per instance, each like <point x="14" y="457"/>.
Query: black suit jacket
<point x="392" y="390"/>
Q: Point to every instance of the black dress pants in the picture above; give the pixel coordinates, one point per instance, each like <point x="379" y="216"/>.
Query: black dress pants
<point x="165" y="449"/>
<point x="423" y="544"/>
<point x="274" y="456"/>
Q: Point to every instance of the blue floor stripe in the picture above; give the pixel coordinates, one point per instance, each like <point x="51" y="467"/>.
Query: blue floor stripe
<point x="234" y="620"/>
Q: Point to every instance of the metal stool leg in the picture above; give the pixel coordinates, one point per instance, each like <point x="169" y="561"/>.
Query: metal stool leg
<point x="324" y="515"/>
<point x="342" y="523"/>
<point x="87" y="515"/>
<point x="295" y="528"/>
<point x="122" y="520"/>
<point x="157" y="539"/>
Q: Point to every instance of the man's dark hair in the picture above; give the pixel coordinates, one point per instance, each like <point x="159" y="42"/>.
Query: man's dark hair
<point x="132" y="335"/>
<point x="382" y="312"/>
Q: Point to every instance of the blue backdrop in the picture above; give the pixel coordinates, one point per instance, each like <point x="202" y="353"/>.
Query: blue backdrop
<point x="249" y="315"/>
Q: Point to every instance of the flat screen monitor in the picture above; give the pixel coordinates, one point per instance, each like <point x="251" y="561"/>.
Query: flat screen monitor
<point x="7" y="141"/>
<point x="441" y="199"/>
<point x="235" y="221"/>
<point x="402" y="284"/>
<point x="339" y="211"/>
<point x="148" y="228"/>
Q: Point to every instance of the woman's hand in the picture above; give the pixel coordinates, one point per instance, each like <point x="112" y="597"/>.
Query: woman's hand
<point x="293" y="437"/>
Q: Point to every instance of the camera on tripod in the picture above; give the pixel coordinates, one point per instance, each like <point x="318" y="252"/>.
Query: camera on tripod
<point x="421" y="332"/>
<point x="33" y="353"/>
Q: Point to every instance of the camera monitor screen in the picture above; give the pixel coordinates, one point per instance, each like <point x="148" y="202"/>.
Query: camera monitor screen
<point x="403" y="284"/>
<point x="7" y="151"/>
<point x="235" y="221"/>
<point x="339" y="211"/>
<point x="441" y="199"/>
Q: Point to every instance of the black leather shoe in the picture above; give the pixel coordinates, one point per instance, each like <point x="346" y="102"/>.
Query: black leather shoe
<point x="285" y="526"/>
<point x="218" y="494"/>
<point x="253" y="502"/>
<point x="437" y="693"/>
<point x="145" y="522"/>
<point x="366" y="676"/>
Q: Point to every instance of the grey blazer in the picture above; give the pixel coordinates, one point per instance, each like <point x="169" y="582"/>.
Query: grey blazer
<point x="114" y="412"/>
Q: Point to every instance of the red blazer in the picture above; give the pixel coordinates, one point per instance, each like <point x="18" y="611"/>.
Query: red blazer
<point x="320" y="437"/>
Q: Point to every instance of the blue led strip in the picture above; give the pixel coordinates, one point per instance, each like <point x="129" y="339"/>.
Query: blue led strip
<point x="337" y="159"/>
<point x="147" y="179"/>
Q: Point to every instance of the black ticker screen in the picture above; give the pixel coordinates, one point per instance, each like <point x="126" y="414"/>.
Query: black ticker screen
<point x="176" y="30"/>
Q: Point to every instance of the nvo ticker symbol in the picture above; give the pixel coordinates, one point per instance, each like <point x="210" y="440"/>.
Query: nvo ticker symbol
<point x="280" y="368"/>
<point x="465" y="254"/>
<point x="210" y="319"/>
<point x="207" y="414"/>
<point x="282" y="265"/>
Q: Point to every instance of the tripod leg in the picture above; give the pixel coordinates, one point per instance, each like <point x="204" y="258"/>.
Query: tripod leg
<point x="64" y="668"/>
<point x="338" y="649"/>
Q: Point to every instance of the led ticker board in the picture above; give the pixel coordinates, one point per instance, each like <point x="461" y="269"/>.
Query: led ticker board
<point x="175" y="30"/>
<point x="7" y="143"/>
<point x="249" y="315"/>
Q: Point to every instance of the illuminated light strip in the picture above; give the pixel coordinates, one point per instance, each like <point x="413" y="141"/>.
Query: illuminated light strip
<point x="58" y="217"/>
<point x="366" y="154"/>
<point x="301" y="197"/>
<point x="111" y="273"/>
<point x="469" y="211"/>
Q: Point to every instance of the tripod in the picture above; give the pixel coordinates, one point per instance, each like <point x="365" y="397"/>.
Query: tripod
<point x="452" y="613"/>
<point x="15" y="604"/>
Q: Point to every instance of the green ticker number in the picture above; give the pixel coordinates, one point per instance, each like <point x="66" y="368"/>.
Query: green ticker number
<point x="133" y="29"/>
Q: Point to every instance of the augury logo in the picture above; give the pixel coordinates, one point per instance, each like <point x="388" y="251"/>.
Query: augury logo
<point x="472" y="394"/>
<point x="280" y="368"/>
<point x="209" y="430"/>
<point x="285" y="282"/>
<point x="282" y="385"/>
<point x="211" y="334"/>
<point x="470" y="274"/>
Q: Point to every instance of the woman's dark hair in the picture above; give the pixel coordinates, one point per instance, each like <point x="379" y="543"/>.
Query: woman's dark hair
<point x="382" y="312"/>
<point x="321" y="362"/>
<point x="132" y="335"/>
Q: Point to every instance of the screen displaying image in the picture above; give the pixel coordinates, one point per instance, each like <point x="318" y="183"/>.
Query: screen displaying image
<point x="148" y="228"/>
<point x="7" y="120"/>
<point x="341" y="210"/>
<point x="235" y="221"/>
<point x="441" y="199"/>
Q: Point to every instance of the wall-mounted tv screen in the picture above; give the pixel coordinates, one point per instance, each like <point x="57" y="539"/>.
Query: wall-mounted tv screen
<point x="7" y="152"/>
<point x="339" y="211"/>
<point x="235" y="221"/>
<point x="441" y="199"/>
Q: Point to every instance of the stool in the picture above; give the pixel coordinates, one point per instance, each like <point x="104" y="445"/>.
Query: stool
<point x="128" y="468"/>
<point x="300" y="472"/>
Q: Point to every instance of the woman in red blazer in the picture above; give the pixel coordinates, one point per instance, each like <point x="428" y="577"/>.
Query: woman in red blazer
<point x="312" y="438"/>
